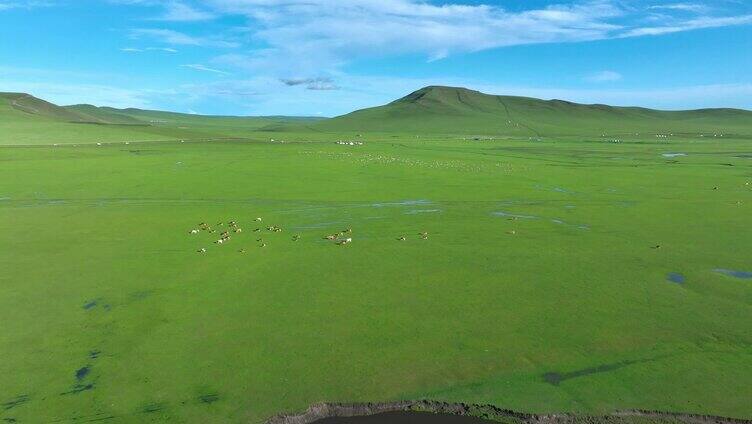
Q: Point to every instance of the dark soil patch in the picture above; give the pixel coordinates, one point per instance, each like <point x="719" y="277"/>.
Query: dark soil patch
<point x="427" y="411"/>
<point x="208" y="398"/>
<point x="152" y="408"/>
<point x="78" y="388"/>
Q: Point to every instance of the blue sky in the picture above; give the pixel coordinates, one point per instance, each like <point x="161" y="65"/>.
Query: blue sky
<point x="328" y="57"/>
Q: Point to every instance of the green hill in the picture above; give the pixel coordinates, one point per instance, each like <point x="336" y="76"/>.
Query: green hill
<point x="156" y="117"/>
<point x="104" y="115"/>
<point x="25" y="119"/>
<point x="450" y="110"/>
<point x="21" y="106"/>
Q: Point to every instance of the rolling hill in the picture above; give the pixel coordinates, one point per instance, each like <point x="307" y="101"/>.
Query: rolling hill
<point x="25" y="119"/>
<point x="432" y="110"/>
<point x="21" y="106"/>
<point x="451" y="110"/>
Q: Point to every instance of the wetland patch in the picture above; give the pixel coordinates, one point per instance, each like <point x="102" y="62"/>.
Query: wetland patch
<point x="676" y="277"/>
<point x="744" y="275"/>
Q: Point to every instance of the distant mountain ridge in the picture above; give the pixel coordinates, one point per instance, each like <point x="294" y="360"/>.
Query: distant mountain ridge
<point x="430" y="110"/>
<point x="24" y="106"/>
<point x="456" y="110"/>
<point x="25" y="119"/>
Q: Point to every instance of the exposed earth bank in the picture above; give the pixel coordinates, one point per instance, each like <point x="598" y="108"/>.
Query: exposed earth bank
<point x="321" y="411"/>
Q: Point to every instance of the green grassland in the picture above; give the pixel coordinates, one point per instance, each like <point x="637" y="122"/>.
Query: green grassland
<point x="540" y="287"/>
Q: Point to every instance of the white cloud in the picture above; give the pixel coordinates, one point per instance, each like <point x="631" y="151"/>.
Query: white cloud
<point x="309" y="37"/>
<point x="199" y="67"/>
<point x="169" y="36"/>
<point x="311" y="34"/>
<point x="604" y="76"/>
<point x="24" y="4"/>
<point x="320" y="83"/>
<point x="148" y="49"/>
<point x="688" y="25"/>
<point x="181" y="12"/>
<point x="685" y="7"/>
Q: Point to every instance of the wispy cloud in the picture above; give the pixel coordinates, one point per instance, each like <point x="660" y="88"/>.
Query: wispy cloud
<point x="308" y="36"/>
<point x="604" y="76"/>
<point x="24" y="4"/>
<point x="685" y="7"/>
<point x="148" y="49"/>
<point x="180" y="12"/>
<point x="199" y="67"/>
<point x="688" y="25"/>
<point x="320" y="83"/>
<point x="168" y="36"/>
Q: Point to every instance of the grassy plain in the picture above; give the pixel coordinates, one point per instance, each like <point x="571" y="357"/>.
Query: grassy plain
<point x="540" y="287"/>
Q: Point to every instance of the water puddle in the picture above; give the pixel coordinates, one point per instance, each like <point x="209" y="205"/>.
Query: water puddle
<point x="417" y="211"/>
<point x="402" y="203"/>
<point x="745" y="275"/>
<point x="82" y="372"/>
<point x="567" y="224"/>
<point x="676" y="277"/>
<point x="511" y="215"/>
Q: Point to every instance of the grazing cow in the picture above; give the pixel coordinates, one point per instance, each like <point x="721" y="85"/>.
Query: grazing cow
<point x="331" y="237"/>
<point x="257" y="230"/>
<point x="403" y="238"/>
<point x="257" y="219"/>
<point x="241" y="251"/>
<point x="238" y="230"/>
<point x="512" y="232"/>
<point x="220" y="241"/>
<point x="345" y="241"/>
<point x="194" y="231"/>
<point x="296" y="237"/>
<point x="202" y="250"/>
<point x="263" y="244"/>
<point x="657" y="246"/>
